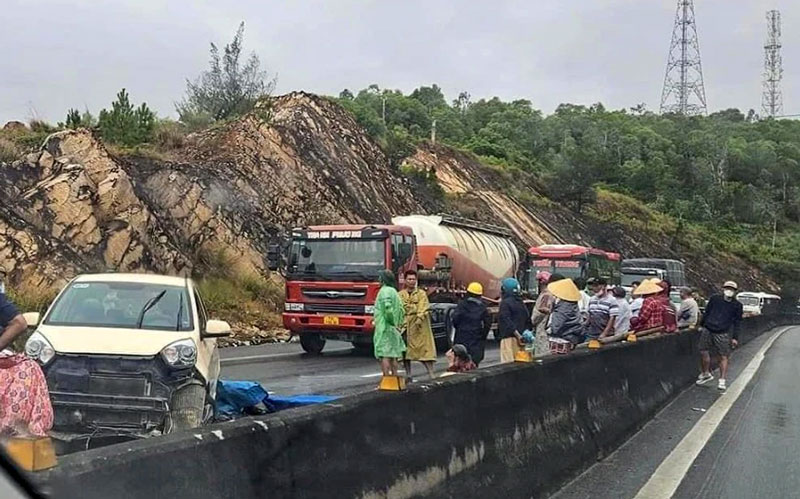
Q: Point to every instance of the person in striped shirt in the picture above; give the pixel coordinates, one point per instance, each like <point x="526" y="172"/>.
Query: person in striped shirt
<point x="601" y="311"/>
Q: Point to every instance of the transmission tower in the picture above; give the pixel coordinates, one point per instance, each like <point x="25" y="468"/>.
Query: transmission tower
<point x="772" y="97"/>
<point x="684" y="92"/>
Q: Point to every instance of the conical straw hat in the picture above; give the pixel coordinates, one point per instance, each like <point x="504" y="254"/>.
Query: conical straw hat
<point x="648" y="287"/>
<point x="565" y="290"/>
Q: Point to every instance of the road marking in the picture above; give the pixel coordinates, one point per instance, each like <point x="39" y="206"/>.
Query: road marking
<point x="670" y="473"/>
<point x="251" y="358"/>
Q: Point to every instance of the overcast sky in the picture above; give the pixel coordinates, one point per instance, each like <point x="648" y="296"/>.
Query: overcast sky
<point x="78" y="53"/>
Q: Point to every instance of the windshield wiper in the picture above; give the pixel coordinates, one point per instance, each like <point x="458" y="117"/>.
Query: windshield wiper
<point x="147" y="306"/>
<point x="357" y="273"/>
<point x="180" y="313"/>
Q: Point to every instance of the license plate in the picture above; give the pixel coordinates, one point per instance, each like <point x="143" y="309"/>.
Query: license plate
<point x="330" y="320"/>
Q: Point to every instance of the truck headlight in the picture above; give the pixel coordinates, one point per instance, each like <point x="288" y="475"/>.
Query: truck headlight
<point x="181" y="353"/>
<point x="39" y="349"/>
<point x="293" y="307"/>
<point x="369" y="309"/>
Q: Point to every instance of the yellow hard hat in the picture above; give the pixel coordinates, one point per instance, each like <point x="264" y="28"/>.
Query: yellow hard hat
<point x="475" y="288"/>
<point x="565" y="290"/>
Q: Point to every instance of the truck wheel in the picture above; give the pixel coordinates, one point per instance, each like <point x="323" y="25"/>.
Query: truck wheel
<point x="312" y="343"/>
<point x="187" y="407"/>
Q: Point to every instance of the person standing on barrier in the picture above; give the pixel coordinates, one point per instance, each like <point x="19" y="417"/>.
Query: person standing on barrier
<point x="719" y="332"/>
<point x="689" y="312"/>
<point x="420" y="345"/>
<point x="388" y="314"/>
<point x="472" y="322"/>
<point x="512" y="320"/>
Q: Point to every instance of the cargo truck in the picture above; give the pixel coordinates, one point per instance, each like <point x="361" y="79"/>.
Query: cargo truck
<point x="332" y="271"/>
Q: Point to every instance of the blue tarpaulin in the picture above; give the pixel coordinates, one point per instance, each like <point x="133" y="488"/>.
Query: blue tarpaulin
<point x="235" y="397"/>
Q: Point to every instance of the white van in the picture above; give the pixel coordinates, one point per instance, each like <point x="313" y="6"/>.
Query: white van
<point x="753" y="303"/>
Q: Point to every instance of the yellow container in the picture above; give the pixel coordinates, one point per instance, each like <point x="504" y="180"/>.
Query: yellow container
<point x="523" y="356"/>
<point x="631" y="338"/>
<point x="32" y="454"/>
<point x="392" y="383"/>
<point x="594" y="344"/>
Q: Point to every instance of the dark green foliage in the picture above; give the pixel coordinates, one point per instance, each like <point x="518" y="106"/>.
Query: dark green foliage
<point x="229" y="88"/>
<point x="126" y="125"/>
<point x="73" y="119"/>
<point x="722" y="172"/>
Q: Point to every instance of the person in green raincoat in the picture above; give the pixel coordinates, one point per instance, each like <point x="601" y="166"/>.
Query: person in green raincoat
<point x="388" y="314"/>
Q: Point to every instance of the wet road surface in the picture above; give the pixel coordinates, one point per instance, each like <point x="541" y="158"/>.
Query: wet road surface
<point x="285" y="369"/>
<point x="746" y="441"/>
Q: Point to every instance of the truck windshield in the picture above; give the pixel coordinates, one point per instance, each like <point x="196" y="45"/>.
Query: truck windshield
<point x="350" y="259"/>
<point x="629" y="278"/>
<point x="119" y="305"/>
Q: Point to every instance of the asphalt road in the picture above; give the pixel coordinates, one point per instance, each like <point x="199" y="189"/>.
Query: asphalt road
<point x="285" y="369"/>
<point x="739" y="444"/>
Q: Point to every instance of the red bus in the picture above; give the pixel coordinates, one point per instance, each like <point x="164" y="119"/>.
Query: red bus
<point x="572" y="261"/>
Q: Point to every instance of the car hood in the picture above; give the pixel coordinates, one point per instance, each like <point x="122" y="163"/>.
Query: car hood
<point x="109" y="341"/>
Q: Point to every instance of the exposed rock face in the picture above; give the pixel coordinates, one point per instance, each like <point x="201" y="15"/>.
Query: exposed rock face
<point x="72" y="207"/>
<point x="234" y="189"/>
<point x="15" y="125"/>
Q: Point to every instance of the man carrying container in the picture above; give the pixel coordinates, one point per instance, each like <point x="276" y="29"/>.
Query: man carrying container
<point x="719" y="332"/>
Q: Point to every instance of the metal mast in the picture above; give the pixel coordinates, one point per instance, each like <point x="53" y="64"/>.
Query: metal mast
<point x="772" y="97"/>
<point x="684" y="92"/>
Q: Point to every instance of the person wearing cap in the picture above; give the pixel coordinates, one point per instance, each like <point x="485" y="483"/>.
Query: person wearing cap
<point x="420" y="344"/>
<point x="512" y="320"/>
<point x="719" y="332"/>
<point x="622" y="315"/>
<point x="459" y="360"/>
<point x="472" y="322"/>
<point x="689" y="312"/>
<point x="601" y="312"/>
<point x="565" y="317"/>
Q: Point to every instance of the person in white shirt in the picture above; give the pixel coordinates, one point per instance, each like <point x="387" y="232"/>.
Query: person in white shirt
<point x="689" y="312"/>
<point x="622" y="315"/>
<point x="636" y="302"/>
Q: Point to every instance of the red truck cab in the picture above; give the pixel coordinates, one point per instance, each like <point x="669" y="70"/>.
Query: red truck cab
<point x="332" y="279"/>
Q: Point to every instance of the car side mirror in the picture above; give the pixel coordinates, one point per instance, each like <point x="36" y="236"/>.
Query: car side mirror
<point x="32" y="318"/>
<point x="217" y="329"/>
<point x="274" y="257"/>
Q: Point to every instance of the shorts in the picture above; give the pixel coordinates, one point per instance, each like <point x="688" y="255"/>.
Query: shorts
<point x="718" y="344"/>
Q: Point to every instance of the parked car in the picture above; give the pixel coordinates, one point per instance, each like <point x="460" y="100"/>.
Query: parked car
<point x="128" y="355"/>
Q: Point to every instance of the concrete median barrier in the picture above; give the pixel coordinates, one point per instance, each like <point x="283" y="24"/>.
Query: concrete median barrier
<point x="516" y="430"/>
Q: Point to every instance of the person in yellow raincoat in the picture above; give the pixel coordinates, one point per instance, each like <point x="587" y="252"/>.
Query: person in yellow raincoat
<point x="419" y="335"/>
<point x="388" y="314"/>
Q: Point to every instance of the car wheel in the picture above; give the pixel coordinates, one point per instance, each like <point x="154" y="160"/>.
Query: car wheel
<point x="312" y="343"/>
<point x="188" y="407"/>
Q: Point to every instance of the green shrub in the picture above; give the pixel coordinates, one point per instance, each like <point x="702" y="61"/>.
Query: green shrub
<point x="9" y="151"/>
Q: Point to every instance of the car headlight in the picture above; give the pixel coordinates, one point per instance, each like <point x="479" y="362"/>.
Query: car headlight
<point x="293" y="307"/>
<point x="181" y="353"/>
<point x="39" y="349"/>
<point x="369" y="309"/>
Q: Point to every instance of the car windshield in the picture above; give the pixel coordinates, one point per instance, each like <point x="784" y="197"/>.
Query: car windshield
<point x="748" y="300"/>
<point x="121" y="304"/>
<point x="351" y="259"/>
